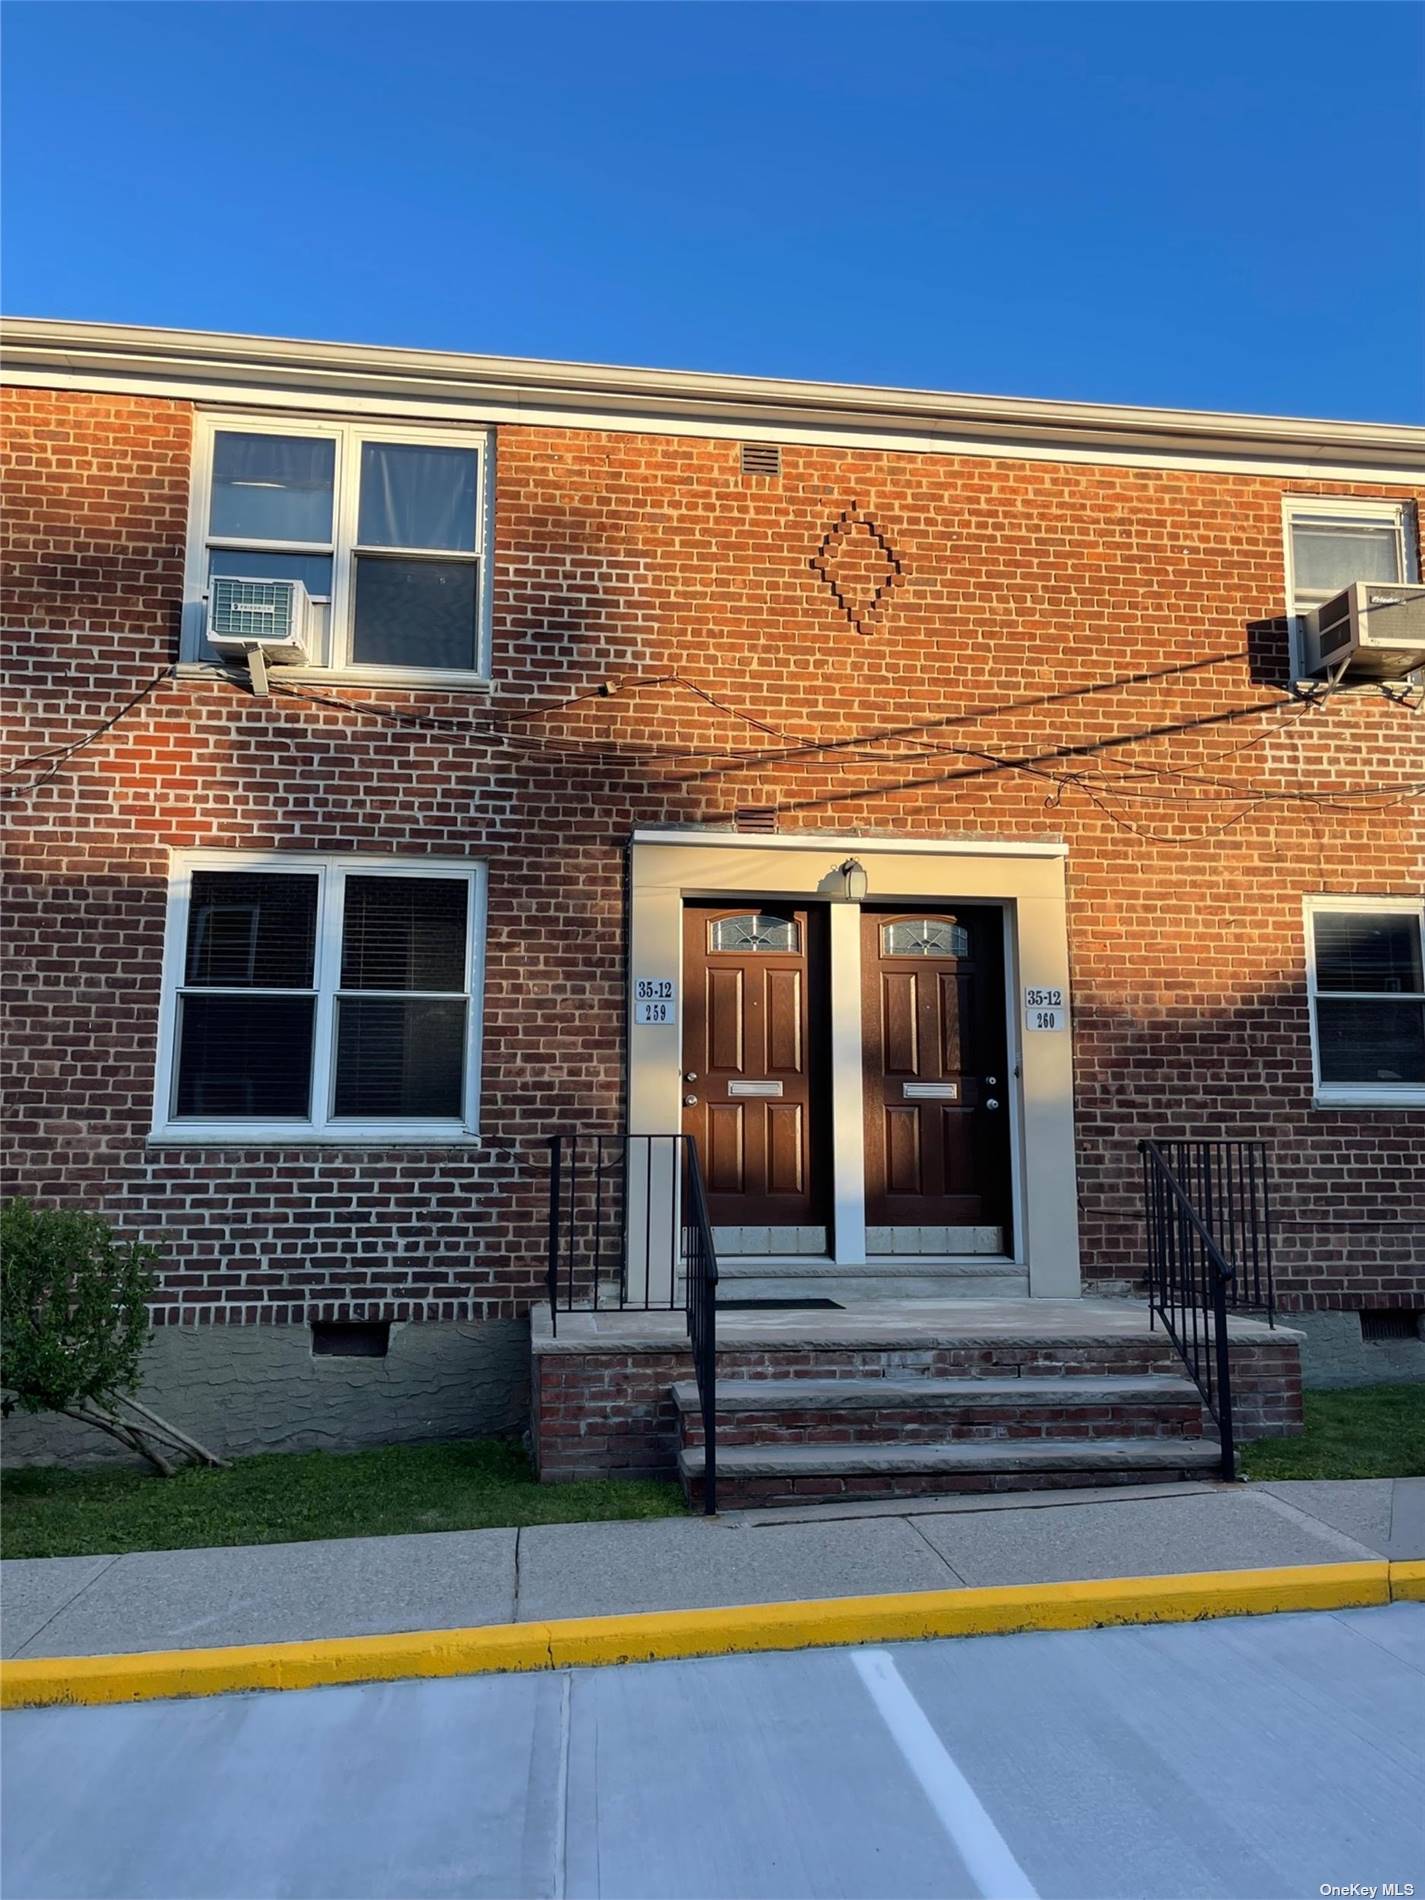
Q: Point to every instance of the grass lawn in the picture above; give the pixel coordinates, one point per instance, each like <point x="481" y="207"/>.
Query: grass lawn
<point x="1370" y="1431"/>
<point x="289" y="1497"/>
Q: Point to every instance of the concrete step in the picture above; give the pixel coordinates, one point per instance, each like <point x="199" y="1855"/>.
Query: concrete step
<point x="754" y="1476"/>
<point x="912" y="1277"/>
<point x="897" y="1411"/>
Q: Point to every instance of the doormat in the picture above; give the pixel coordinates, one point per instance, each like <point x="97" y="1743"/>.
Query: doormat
<point x="778" y="1306"/>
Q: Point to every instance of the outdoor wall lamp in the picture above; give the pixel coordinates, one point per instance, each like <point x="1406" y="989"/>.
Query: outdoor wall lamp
<point x="857" y="882"/>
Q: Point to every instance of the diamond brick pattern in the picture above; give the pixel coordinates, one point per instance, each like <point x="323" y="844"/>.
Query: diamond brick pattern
<point x="858" y="564"/>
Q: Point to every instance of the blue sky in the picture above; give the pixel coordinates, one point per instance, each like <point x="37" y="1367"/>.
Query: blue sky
<point x="1208" y="205"/>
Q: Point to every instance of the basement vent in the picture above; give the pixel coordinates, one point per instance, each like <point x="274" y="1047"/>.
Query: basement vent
<point x="351" y="1339"/>
<point x="1395" y="1324"/>
<point x="761" y="458"/>
<point x="755" y="818"/>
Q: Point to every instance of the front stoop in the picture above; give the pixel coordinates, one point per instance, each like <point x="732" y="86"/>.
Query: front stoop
<point x="898" y="1399"/>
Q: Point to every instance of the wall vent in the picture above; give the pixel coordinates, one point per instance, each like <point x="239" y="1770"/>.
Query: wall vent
<point x="755" y="818"/>
<point x="1393" y="1324"/>
<point x="761" y="458"/>
<point x="351" y="1339"/>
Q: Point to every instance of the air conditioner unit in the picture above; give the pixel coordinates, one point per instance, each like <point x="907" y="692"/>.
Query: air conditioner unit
<point x="269" y="618"/>
<point x="1373" y="630"/>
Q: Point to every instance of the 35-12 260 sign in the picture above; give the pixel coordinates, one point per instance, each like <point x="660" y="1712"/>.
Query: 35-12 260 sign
<point x="1045" y="1008"/>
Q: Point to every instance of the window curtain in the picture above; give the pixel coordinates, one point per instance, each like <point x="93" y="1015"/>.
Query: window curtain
<point x="417" y="497"/>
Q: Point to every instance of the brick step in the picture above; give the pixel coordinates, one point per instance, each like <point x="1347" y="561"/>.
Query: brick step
<point x="754" y="1476"/>
<point x="937" y="1411"/>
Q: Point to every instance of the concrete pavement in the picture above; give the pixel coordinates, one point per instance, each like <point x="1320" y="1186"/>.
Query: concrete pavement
<point x="451" y="1580"/>
<point x="1259" y="1757"/>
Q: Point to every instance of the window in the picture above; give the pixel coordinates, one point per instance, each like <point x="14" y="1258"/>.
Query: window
<point x="759" y="931"/>
<point x="320" y="998"/>
<point x="1330" y="543"/>
<point x="1366" y="980"/>
<point x="386" y="528"/>
<point x="925" y="937"/>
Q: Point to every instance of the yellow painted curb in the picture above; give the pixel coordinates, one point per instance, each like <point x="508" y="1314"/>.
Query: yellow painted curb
<point x="1407" y="1581"/>
<point x="42" y="1682"/>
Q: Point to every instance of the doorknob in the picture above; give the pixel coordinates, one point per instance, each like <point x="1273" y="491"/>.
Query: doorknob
<point x="690" y="1101"/>
<point x="990" y="1102"/>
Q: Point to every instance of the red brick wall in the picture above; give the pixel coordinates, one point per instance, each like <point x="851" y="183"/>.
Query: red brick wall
<point x="1066" y="651"/>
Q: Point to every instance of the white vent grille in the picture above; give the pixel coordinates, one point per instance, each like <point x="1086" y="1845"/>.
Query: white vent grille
<point x="761" y="458"/>
<point x="252" y="610"/>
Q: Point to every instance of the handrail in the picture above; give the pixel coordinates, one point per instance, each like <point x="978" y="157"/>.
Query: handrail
<point x="628" y="1219"/>
<point x="700" y="1266"/>
<point x="1189" y="1279"/>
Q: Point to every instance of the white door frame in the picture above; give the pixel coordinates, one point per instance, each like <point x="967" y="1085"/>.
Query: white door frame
<point x="1027" y="879"/>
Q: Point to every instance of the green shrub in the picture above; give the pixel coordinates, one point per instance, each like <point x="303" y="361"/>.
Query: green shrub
<point x="73" y="1308"/>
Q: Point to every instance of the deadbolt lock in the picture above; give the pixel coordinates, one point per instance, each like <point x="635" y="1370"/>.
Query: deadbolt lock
<point x="690" y="1076"/>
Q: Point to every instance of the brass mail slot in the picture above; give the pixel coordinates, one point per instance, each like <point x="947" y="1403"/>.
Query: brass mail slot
<point x="758" y="1090"/>
<point x="932" y="1091"/>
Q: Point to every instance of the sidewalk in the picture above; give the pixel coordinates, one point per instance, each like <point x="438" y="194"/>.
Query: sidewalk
<point x="283" y="1593"/>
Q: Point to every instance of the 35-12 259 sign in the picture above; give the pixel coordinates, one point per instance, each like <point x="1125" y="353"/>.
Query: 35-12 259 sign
<point x="655" y="1000"/>
<point x="1045" y="1008"/>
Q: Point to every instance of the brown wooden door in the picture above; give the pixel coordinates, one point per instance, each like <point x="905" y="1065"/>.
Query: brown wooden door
<point x="933" y="1020"/>
<point x="753" y="1060"/>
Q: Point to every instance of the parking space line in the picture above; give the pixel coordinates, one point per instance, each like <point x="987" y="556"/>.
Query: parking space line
<point x="984" y="1850"/>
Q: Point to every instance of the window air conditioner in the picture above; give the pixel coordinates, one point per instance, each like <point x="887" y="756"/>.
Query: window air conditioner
<point x="1373" y="630"/>
<point x="264" y="618"/>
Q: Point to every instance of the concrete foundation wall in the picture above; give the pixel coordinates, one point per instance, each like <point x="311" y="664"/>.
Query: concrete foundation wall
<point x="1334" y="1354"/>
<point x="259" y="1388"/>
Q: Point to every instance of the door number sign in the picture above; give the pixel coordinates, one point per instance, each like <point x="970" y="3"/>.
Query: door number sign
<point x="655" y="1000"/>
<point x="1045" y="1009"/>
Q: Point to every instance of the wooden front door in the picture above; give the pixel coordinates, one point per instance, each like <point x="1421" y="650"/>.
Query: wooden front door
<point x="933" y="1022"/>
<point x="754" y="1060"/>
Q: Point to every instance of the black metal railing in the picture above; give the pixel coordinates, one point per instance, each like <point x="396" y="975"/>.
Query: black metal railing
<point x="1207" y="1209"/>
<point x="700" y="1268"/>
<point x="629" y="1230"/>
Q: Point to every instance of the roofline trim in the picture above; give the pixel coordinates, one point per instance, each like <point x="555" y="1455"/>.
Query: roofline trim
<point x="236" y="368"/>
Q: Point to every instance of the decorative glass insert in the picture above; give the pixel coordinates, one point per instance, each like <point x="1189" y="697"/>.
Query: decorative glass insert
<point x="925" y="937"/>
<point x="758" y="930"/>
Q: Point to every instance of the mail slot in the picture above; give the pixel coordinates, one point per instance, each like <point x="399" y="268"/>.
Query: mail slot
<point x="932" y="1091"/>
<point x="756" y="1090"/>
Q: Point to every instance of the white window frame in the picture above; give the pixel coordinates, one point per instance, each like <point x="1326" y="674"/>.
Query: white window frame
<point x="1356" y="1094"/>
<point x="1397" y="514"/>
<point x="334" y="658"/>
<point x="321" y="1125"/>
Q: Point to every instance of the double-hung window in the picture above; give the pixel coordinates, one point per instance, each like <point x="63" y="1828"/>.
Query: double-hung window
<point x="1366" y="981"/>
<point x="1332" y="541"/>
<point x="320" y="999"/>
<point x="385" y="527"/>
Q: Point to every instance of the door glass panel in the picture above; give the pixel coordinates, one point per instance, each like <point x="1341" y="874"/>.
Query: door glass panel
<point x="755" y="931"/>
<point x="272" y="487"/>
<point x="925" y="937"/>
<point x="417" y="497"/>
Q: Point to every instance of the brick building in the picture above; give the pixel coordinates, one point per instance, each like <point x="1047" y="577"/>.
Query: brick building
<point x="916" y="798"/>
